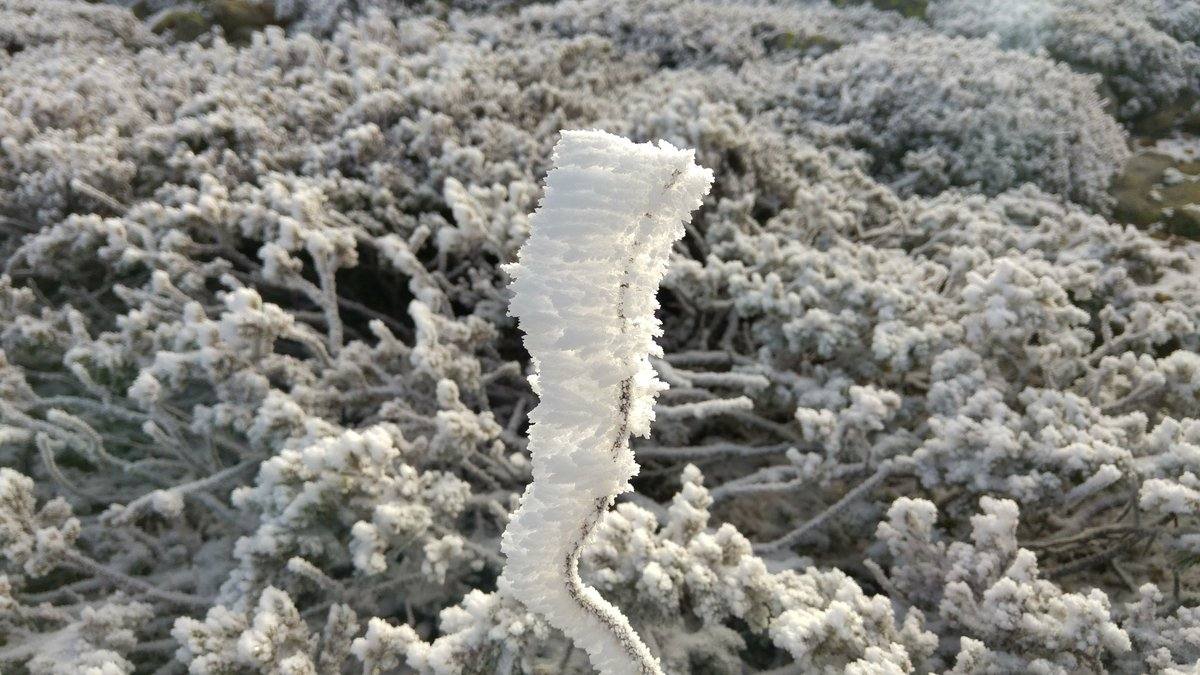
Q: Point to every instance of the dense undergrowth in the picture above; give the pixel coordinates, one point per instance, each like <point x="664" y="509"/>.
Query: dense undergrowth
<point x="933" y="408"/>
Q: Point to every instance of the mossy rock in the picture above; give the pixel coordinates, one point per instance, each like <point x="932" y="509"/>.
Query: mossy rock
<point x="1182" y="115"/>
<point x="237" y="18"/>
<point x="1145" y="195"/>
<point x="242" y="15"/>
<point x="182" y="24"/>
<point x="812" y="44"/>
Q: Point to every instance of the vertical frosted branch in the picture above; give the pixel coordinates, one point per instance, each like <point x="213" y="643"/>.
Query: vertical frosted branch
<point x="584" y="293"/>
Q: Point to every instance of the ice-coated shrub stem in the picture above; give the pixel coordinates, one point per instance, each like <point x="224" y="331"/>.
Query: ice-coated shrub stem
<point x="584" y="292"/>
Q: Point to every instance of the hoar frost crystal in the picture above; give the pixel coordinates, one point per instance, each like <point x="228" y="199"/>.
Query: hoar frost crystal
<point x="584" y="292"/>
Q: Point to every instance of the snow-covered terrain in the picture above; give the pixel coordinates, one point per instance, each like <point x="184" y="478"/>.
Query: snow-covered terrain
<point x="918" y="389"/>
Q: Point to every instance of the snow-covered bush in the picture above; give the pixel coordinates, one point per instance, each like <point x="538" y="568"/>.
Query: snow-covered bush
<point x="27" y="23"/>
<point x="1146" y="51"/>
<point x="936" y="112"/>
<point x="262" y="409"/>
<point x="686" y="589"/>
<point x="990" y="593"/>
<point x="690" y="32"/>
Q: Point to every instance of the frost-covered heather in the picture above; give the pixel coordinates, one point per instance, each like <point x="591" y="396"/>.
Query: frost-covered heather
<point x="934" y="112"/>
<point x="1146" y="51"/>
<point x="24" y="23"/>
<point x="263" y="410"/>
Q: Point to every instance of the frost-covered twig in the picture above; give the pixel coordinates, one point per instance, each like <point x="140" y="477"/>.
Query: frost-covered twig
<point x="87" y="564"/>
<point x="584" y="291"/>
<point x="881" y="474"/>
<point x="157" y="498"/>
<point x="711" y="451"/>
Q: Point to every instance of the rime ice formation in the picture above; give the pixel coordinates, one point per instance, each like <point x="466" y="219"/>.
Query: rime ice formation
<point x="584" y="292"/>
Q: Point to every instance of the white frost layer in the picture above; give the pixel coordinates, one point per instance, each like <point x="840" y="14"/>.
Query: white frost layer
<point x="584" y="293"/>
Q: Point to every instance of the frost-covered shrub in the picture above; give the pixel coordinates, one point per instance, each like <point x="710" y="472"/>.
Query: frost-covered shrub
<point x="934" y="112"/>
<point x="989" y="287"/>
<point x="1145" y="50"/>
<point x="688" y="32"/>
<point x="349" y="500"/>
<point x="256" y="363"/>
<point x="1179" y="18"/>
<point x="27" y="23"/>
<point x="685" y="589"/>
<point x="270" y="638"/>
<point x="989" y="590"/>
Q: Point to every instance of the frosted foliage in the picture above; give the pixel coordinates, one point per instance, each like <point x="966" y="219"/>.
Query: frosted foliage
<point x="26" y="23"/>
<point x="584" y="288"/>
<point x="1146" y="51"/>
<point x="689" y="32"/>
<point x="684" y="587"/>
<point x="934" y="112"/>
<point x="271" y="637"/>
<point x="990" y="590"/>
<point x="263" y="408"/>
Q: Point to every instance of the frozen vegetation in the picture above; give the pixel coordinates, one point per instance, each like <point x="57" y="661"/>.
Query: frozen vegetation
<point x="920" y="402"/>
<point x="1145" y="51"/>
<point x="584" y="291"/>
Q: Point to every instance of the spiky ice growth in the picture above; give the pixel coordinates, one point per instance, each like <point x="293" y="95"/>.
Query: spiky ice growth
<point x="584" y="292"/>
